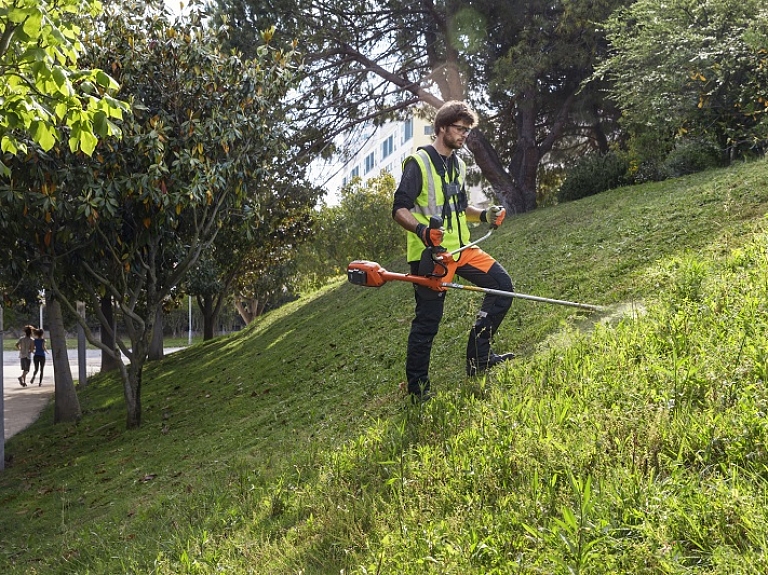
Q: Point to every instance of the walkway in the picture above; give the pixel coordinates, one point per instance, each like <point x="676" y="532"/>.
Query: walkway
<point x="24" y="404"/>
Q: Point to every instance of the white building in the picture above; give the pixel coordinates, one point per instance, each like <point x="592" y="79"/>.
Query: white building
<point x="374" y="150"/>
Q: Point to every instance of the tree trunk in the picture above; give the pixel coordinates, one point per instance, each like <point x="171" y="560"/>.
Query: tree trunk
<point x="525" y="160"/>
<point x="156" y="344"/>
<point x="246" y="312"/>
<point x="210" y="316"/>
<point x="131" y="374"/>
<point x="108" y="361"/>
<point x="508" y="192"/>
<point x="66" y="403"/>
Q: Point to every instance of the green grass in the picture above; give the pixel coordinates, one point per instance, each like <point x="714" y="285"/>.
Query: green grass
<point x="617" y="443"/>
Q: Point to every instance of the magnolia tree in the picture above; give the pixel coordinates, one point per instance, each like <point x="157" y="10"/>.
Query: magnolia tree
<point x="45" y="96"/>
<point x="130" y="221"/>
<point x="253" y="267"/>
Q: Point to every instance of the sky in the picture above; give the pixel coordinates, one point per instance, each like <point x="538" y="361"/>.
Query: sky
<point x="174" y="5"/>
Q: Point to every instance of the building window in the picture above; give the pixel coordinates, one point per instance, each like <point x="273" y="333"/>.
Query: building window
<point x="355" y="172"/>
<point x="369" y="162"/>
<point x="407" y="130"/>
<point x="387" y="147"/>
<point x="428" y="130"/>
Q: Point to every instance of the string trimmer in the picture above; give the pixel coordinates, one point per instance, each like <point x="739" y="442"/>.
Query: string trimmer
<point x="370" y="274"/>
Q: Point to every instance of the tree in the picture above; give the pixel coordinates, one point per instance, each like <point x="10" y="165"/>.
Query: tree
<point x="267" y="271"/>
<point x="130" y="221"/>
<point x="693" y="70"/>
<point x="44" y="95"/>
<point x="249" y="262"/>
<point x="520" y="63"/>
<point x="24" y="273"/>
<point x="66" y="404"/>
<point x="359" y="227"/>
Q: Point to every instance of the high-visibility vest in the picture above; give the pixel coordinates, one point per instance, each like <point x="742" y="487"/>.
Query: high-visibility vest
<point x="431" y="202"/>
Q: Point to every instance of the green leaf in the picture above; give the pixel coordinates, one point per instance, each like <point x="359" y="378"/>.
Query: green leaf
<point x="104" y="79"/>
<point x="8" y="145"/>
<point x="61" y="110"/>
<point x="88" y="142"/>
<point x="44" y="134"/>
<point x="32" y="23"/>
<point x="60" y="77"/>
<point x="100" y="123"/>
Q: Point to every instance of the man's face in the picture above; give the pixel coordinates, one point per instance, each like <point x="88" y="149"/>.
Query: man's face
<point x="454" y="135"/>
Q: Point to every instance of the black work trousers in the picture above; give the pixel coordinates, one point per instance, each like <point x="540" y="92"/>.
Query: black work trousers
<point x="429" y="313"/>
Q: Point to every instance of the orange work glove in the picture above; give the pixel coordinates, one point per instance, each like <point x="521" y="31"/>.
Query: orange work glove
<point x="432" y="237"/>
<point x="493" y="215"/>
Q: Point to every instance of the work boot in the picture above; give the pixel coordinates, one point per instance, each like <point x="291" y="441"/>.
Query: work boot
<point x="476" y="366"/>
<point x="419" y="391"/>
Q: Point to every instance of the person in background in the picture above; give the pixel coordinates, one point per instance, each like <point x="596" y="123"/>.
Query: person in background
<point x="39" y="354"/>
<point x="25" y="346"/>
<point x="433" y="186"/>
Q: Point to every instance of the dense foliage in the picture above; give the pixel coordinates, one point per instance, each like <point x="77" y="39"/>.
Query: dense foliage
<point x="593" y="174"/>
<point x="520" y="63"/>
<point x="131" y="220"/>
<point x="691" y="70"/>
<point x="359" y="227"/>
<point x="45" y="96"/>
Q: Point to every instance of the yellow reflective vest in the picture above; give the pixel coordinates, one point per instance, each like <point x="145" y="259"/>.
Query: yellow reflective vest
<point x="431" y="202"/>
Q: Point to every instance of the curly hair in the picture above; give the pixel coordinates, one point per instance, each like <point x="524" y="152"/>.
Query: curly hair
<point x="452" y="112"/>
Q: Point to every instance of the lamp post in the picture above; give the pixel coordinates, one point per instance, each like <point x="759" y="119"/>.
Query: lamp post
<point x="2" y="399"/>
<point x="41" y="297"/>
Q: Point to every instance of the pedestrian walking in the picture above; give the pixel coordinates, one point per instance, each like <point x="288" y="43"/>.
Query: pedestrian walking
<point x="39" y="354"/>
<point x="26" y="346"/>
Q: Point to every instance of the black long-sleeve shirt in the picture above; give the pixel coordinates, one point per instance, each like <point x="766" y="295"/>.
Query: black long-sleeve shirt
<point x="409" y="188"/>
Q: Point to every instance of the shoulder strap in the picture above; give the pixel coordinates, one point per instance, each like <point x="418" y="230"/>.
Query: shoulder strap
<point x="437" y="161"/>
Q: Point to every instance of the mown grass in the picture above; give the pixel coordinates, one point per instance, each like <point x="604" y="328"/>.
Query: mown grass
<point x="636" y="444"/>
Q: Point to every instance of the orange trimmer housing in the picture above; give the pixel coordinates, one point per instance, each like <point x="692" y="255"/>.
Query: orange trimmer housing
<point x="370" y="274"/>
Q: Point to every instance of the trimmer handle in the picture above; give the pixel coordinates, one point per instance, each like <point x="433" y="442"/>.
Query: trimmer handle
<point x="493" y="214"/>
<point x="435" y="223"/>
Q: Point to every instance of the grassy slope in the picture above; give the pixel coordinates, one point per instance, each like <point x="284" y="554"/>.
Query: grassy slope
<point x="286" y="448"/>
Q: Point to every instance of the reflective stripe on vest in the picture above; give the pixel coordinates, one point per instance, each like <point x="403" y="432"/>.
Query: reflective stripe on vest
<point x="430" y="203"/>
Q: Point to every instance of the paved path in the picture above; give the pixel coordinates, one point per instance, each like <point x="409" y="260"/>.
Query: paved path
<point x="24" y="404"/>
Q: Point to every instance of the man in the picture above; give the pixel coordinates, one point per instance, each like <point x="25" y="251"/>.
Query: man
<point x="433" y="186"/>
<point x="25" y="345"/>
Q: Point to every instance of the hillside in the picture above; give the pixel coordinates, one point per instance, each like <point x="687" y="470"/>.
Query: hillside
<point x="634" y="445"/>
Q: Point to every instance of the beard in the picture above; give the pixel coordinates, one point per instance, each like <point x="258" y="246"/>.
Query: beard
<point x="453" y="142"/>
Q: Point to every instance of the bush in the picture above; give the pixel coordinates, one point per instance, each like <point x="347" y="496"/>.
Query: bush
<point x="595" y="173"/>
<point x="690" y="157"/>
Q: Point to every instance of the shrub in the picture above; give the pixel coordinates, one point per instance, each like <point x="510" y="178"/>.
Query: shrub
<point x="692" y="156"/>
<point x="593" y="174"/>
